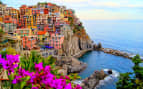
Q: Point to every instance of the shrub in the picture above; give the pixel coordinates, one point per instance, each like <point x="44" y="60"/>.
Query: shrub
<point x="132" y="80"/>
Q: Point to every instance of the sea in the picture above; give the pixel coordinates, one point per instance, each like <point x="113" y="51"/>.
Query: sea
<point x="123" y="35"/>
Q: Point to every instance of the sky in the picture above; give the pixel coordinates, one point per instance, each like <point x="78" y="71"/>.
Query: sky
<point x="94" y="9"/>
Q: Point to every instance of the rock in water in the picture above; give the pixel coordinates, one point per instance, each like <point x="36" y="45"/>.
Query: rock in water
<point x="92" y="81"/>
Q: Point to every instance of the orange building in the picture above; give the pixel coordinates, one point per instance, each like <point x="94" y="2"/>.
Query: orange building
<point x="1" y="19"/>
<point x="56" y="41"/>
<point x="12" y="12"/>
<point x="68" y="13"/>
<point x="23" y="9"/>
<point x="29" y="42"/>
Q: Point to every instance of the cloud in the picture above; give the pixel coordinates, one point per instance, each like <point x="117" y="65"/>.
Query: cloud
<point x="105" y="4"/>
<point x="115" y="4"/>
<point x="104" y="14"/>
<point x="70" y="1"/>
<point x="94" y="9"/>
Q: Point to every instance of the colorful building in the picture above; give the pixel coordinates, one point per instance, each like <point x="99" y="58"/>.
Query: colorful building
<point x="29" y="21"/>
<point x="56" y="41"/>
<point x="45" y="52"/>
<point x="2" y="9"/>
<point x="42" y="35"/>
<point x="9" y="24"/>
<point x="23" y="9"/>
<point x="35" y="10"/>
<point x="28" y="11"/>
<point x="9" y="27"/>
<point x="68" y="13"/>
<point x="42" y="19"/>
<point x="12" y="12"/>
<point x="45" y="22"/>
<point x="29" y="42"/>
<point x="23" y="32"/>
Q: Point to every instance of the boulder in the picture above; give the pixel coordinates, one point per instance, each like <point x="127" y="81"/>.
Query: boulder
<point x="92" y="81"/>
<point x="62" y="71"/>
<point x="70" y="64"/>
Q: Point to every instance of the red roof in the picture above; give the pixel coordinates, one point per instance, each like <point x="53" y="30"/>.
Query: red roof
<point x="23" y="6"/>
<point x="41" y="32"/>
<point x="50" y="4"/>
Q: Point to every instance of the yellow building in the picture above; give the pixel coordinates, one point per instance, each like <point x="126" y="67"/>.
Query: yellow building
<point x="42" y="35"/>
<point x="61" y="10"/>
<point x="29" y="21"/>
<point x="28" y="11"/>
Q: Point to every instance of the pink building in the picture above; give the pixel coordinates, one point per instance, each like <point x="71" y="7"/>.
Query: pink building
<point x="56" y="41"/>
<point x="29" y="42"/>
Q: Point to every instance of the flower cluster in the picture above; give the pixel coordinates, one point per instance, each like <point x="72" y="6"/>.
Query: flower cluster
<point x="39" y="79"/>
<point x="10" y="63"/>
<point x="44" y="78"/>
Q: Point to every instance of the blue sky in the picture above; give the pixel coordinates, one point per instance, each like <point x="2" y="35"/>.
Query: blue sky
<point x="94" y="9"/>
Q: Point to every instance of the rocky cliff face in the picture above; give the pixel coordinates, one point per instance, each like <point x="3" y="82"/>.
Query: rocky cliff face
<point x="75" y="43"/>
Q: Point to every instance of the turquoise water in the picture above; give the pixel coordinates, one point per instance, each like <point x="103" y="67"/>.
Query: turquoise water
<point x="121" y="35"/>
<point x="99" y="60"/>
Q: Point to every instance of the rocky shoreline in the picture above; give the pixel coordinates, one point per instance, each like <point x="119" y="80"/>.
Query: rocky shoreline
<point x="113" y="51"/>
<point x="92" y="81"/>
<point x="118" y="53"/>
<point x="70" y="65"/>
<point x="81" y="53"/>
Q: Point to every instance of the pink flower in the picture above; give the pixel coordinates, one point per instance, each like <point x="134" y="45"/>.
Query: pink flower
<point x="11" y="63"/>
<point x="0" y="56"/>
<point x="34" y="88"/>
<point x="68" y="86"/>
<point x="17" y="79"/>
<point x="47" y="69"/>
<point x="67" y="77"/>
<point x="78" y="87"/>
<point x="39" y="66"/>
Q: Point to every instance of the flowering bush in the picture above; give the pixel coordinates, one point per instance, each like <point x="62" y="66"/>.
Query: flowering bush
<point x="10" y="63"/>
<point x="41" y="78"/>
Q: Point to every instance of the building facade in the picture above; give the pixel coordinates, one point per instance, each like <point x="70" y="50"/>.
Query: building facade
<point x="56" y="41"/>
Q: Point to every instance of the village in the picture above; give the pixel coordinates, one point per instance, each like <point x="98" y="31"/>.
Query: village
<point x="42" y="27"/>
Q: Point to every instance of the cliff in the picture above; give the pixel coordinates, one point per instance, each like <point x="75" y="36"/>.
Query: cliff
<point x="76" y="41"/>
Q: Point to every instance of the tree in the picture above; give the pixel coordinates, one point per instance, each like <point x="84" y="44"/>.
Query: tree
<point x="132" y="80"/>
<point x="1" y="2"/>
<point x="11" y="50"/>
